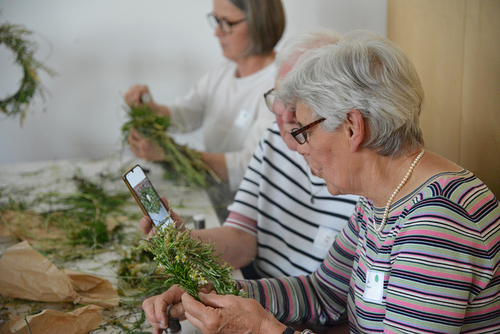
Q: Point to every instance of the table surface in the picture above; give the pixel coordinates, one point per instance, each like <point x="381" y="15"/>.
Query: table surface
<point x="45" y="176"/>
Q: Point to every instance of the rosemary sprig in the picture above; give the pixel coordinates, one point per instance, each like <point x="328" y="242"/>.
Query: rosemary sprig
<point x="189" y="263"/>
<point x="185" y="162"/>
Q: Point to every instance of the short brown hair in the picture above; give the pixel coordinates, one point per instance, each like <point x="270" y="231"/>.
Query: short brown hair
<point x="266" y="23"/>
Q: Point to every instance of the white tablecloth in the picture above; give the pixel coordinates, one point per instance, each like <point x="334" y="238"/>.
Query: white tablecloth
<point x="44" y="176"/>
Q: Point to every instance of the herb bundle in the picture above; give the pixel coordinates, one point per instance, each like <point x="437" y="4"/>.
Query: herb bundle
<point x="189" y="263"/>
<point x="185" y="162"/>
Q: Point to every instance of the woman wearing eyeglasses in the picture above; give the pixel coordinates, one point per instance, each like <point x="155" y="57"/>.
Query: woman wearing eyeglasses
<point x="227" y="101"/>
<point x="421" y="252"/>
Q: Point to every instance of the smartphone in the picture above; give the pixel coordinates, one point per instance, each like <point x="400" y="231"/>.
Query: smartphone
<point x="146" y="196"/>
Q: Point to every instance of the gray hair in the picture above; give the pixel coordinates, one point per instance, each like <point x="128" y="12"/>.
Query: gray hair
<point x="266" y="24"/>
<point x="297" y="45"/>
<point x="367" y="72"/>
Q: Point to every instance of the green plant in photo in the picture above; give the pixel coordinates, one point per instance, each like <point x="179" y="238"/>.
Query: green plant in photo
<point x="150" y="200"/>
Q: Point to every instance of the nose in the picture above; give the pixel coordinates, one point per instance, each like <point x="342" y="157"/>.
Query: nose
<point x="289" y="117"/>
<point x="218" y="31"/>
<point x="303" y="149"/>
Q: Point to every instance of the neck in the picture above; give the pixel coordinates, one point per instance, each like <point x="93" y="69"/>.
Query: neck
<point x="388" y="173"/>
<point x="251" y="64"/>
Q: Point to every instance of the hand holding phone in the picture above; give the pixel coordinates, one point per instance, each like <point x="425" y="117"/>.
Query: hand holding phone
<point x="146" y="196"/>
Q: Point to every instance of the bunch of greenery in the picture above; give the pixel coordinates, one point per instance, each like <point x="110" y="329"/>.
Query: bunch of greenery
<point x="15" y="37"/>
<point x="189" y="263"/>
<point x="86" y="212"/>
<point x="185" y="162"/>
<point x="75" y="219"/>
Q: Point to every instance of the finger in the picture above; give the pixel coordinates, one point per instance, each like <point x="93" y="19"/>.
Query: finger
<point x="171" y="296"/>
<point x="194" y="311"/>
<point x="134" y="134"/>
<point x="160" y="310"/>
<point x="149" y="310"/>
<point x="165" y="201"/>
<point x="217" y="301"/>
<point x="145" y="225"/>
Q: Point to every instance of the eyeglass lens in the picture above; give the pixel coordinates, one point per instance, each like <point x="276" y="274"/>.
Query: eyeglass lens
<point x="300" y="135"/>
<point x="225" y="25"/>
<point x="270" y="98"/>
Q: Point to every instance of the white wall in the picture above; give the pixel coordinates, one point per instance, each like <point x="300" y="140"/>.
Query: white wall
<point x="100" y="48"/>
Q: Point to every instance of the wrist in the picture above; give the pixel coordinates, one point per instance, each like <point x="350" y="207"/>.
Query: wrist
<point x="289" y="330"/>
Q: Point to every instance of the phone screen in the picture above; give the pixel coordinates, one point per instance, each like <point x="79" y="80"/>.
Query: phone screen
<point x="144" y="193"/>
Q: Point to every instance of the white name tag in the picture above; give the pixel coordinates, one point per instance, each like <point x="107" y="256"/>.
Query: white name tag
<point x="324" y="238"/>
<point x="242" y="119"/>
<point x="374" y="288"/>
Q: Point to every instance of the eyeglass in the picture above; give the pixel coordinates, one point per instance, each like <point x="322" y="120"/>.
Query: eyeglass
<point x="225" y="25"/>
<point x="270" y="98"/>
<point x="300" y="135"/>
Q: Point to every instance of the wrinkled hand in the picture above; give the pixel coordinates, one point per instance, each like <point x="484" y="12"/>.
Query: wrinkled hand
<point x="144" y="148"/>
<point x="229" y="314"/>
<point x="146" y="224"/>
<point x="155" y="308"/>
<point x="133" y="95"/>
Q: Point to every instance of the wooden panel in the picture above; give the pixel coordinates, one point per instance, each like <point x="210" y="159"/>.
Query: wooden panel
<point x="480" y="147"/>
<point x="431" y="33"/>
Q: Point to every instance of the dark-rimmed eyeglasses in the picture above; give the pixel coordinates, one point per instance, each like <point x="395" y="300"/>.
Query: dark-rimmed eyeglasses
<point x="300" y="135"/>
<point x="225" y="26"/>
<point x="270" y="98"/>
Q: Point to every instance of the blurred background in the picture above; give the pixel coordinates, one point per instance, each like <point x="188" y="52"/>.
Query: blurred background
<point x="100" y="48"/>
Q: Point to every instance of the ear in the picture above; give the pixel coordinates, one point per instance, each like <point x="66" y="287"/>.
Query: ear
<point x="355" y="129"/>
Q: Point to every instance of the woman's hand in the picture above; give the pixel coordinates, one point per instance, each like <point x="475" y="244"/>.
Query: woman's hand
<point x="146" y="224"/>
<point x="155" y="308"/>
<point x="134" y="94"/>
<point x="229" y="314"/>
<point x="133" y="97"/>
<point x="144" y="148"/>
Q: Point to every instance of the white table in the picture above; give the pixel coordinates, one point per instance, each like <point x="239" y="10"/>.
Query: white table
<point x="44" y="176"/>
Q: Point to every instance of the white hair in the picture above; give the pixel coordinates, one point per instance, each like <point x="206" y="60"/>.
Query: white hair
<point x="367" y="72"/>
<point x="297" y="45"/>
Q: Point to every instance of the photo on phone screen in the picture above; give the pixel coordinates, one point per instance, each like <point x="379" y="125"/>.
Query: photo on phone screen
<point x="144" y="192"/>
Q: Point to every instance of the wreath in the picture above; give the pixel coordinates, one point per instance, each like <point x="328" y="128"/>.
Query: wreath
<point x="14" y="37"/>
<point x="150" y="200"/>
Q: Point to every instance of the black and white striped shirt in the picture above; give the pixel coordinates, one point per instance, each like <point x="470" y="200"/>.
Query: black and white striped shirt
<point x="297" y="219"/>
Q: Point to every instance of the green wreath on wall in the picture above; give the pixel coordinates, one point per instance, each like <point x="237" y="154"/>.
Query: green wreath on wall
<point x="150" y="200"/>
<point x="14" y="37"/>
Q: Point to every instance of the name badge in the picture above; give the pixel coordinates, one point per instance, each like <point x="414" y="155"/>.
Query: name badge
<point x="374" y="288"/>
<point x="324" y="238"/>
<point x="242" y="119"/>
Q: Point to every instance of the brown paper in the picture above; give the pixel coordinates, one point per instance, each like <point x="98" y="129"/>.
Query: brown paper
<point x="79" y="321"/>
<point x="26" y="274"/>
<point x="92" y="289"/>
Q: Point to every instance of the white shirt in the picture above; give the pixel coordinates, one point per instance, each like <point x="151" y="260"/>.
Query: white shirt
<point x="232" y="112"/>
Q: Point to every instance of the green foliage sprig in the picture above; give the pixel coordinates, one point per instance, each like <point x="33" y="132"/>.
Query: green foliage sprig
<point x="189" y="263"/>
<point x="15" y="37"/>
<point x="186" y="162"/>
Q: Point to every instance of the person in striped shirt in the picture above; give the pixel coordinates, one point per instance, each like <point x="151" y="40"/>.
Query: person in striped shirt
<point x="283" y="220"/>
<point x="421" y="252"/>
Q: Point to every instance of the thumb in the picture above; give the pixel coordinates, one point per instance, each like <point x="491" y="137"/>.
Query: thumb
<point x="214" y="300"/>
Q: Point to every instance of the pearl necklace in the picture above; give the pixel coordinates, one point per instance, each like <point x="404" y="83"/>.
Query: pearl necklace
<point x="398" y="188"/>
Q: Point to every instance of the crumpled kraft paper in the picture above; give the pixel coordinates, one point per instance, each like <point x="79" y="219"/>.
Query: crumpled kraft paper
<point x="79" y="321"/>
<point x="27" y="274"/>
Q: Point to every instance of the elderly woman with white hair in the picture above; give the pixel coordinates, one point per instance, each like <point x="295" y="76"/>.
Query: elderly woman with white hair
<point x="421" y="252"/>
